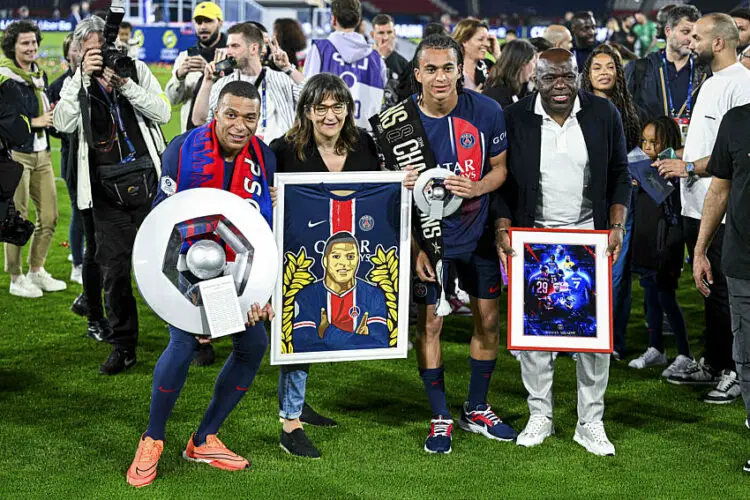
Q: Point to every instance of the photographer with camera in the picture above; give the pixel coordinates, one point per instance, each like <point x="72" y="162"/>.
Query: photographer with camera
<point x="187" y="72"/>
<point x="116" y="105"/>
<point x="278" y="90"/>
<point x="20" y="46"/>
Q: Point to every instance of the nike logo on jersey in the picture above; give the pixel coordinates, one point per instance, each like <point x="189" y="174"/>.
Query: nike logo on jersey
<point x="494" y="289"/>
<point x="312" y="224"/>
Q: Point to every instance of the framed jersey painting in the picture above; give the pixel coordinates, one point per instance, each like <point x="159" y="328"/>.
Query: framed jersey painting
<point x="560" y="292"/>
<point x="343" y="292"/>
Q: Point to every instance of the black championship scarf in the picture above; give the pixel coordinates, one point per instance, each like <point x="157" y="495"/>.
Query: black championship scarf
<point x="403" y="142"/>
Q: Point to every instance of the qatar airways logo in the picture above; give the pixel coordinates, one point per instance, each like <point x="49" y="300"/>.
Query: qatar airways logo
<point x="465" y="169"/>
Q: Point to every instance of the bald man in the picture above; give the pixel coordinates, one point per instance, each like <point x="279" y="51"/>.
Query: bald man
<point x="714" y="41"/>
<point x="562" y="136"/>
<point x="559" y="36"/>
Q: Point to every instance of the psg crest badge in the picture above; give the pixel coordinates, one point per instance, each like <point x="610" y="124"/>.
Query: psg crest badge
<point x="201" y="258"/>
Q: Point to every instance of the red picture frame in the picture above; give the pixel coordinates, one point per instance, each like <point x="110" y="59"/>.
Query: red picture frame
<point x="560" y="322"/>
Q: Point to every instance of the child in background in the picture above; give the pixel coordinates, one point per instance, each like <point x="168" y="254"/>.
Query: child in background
<point x="657" y="250"/>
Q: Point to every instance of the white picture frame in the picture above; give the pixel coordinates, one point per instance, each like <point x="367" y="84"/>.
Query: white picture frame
<point x="286" y="184"/>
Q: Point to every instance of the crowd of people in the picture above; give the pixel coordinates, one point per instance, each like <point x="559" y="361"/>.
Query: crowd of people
<point x="557" y="117"/>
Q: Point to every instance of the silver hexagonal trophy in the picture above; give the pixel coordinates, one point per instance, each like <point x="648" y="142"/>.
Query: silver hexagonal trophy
<point x="202" y="257"/>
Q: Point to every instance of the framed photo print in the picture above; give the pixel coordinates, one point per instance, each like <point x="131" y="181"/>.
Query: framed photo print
<point x="560" y="293"/>
<point x="343" y="242"/>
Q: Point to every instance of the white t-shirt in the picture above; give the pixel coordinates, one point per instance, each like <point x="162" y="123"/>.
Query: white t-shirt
<point x="725" y="90"/>
<point x="564" y="173"/>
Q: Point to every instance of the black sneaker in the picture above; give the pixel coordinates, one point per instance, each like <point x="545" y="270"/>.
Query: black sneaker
<point x="99" y="330"/>
<point x="296" y="443"/>
<point x="311" y="417"/>
<point x="205" y="355"/>
<point x="80" y="306"/>
<point x="118" y="360"/>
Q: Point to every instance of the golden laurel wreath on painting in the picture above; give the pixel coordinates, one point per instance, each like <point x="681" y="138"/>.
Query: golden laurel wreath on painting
<point x="384" y="275"/>
<point x="297" y="275"/>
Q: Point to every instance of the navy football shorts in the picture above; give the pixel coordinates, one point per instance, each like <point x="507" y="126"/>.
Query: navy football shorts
<point x="478" y="275"/>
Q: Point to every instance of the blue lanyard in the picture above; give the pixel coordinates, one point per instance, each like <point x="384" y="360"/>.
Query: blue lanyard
<point x="114" y="109"/>
<point x="689" y="101"/>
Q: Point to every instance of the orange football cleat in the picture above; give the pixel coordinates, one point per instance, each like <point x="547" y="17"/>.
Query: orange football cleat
<point x="214" y="453"/>
<point x="142" y="471"/>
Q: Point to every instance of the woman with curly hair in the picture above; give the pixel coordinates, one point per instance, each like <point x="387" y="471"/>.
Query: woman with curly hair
<point x="604" y="76"/>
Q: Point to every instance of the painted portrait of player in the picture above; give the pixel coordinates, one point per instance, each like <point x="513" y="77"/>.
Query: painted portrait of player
<point x="343" y="244"/>
<point x="340" y="311"/>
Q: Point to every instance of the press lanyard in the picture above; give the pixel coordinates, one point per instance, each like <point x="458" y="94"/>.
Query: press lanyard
<point x="260" y="84"/>
<point x="687" y="106"/>
<point x="114" y="109"/>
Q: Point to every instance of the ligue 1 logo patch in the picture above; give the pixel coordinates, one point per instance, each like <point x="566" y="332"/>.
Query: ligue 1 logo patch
<point x="168" y="186"/>
<point x="354" y="312"/>
<point x="366" y="223"/>
<point x="467" y="140"/>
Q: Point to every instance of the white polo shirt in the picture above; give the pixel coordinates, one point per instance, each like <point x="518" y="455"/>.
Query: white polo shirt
<point x="725" y="90"/>
<point x="564" y="173"/>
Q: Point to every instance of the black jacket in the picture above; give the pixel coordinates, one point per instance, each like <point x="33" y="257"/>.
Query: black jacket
<point x="605" y="141"/>
<point x="644" y="82"/>
<point x="14" y="125"/>
<point x="29" y="106"/>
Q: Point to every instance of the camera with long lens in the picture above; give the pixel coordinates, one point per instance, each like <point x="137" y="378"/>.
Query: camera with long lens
<point x="114" y="57"/>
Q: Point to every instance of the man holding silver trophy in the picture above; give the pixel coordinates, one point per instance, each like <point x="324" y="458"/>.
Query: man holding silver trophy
<point x="224" y="155"/>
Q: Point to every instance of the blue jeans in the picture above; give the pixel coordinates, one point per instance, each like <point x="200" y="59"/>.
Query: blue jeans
<point x="622" y="285"/>
<point x="292" y="385"/>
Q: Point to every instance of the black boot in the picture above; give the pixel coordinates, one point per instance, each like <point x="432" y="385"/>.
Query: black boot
<point x="80" y="305"/>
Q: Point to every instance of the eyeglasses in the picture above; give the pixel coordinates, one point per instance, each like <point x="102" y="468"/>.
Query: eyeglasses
<point x="321" y="109"/>
<point x="745" y="55"/>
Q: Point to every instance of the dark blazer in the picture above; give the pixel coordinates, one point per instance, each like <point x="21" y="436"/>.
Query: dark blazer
<point x="363" y="158"/>
<point x="608" y="161"/>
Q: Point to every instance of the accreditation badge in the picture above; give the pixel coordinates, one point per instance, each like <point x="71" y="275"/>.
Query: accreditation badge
<point x="683" y="123"/>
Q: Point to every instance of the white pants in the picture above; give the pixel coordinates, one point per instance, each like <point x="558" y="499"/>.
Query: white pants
<point x="592" y="372"/>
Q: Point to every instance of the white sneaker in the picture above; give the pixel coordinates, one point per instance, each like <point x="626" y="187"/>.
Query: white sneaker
<point x="46" y="282"/>
<point x="652" y="357"/>
<point x="537" y="430"/>
<point x="679" y="365"/>
<point x="592" y="437"/>
<point x="727" y="390"/>
<point x="76" y="274"/>
<point x="23" y="287"/>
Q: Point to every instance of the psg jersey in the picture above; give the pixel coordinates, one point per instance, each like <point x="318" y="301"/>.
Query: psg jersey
<point x="463" y="142"/>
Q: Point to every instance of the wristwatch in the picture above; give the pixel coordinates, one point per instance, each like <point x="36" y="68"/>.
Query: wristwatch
<point x="289" y="70"/>
<point x="690" y="168"/>
<point x="620" y="226"/>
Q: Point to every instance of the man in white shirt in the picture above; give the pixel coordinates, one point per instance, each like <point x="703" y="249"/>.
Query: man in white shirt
<point x="715" y="40"/>
<point x="189" y="65"/>
<point x="564" y="141"/>
<point x="279" y="90"/>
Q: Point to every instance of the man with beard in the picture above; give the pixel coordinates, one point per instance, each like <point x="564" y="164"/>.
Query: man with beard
<point x="568" y="169"/>
<point x="666" y="83"/>
<point x="583" y="27"/>
<point x="715" y="40"/>
<point x="741" y="17"/>
<point x="188" y="68"/>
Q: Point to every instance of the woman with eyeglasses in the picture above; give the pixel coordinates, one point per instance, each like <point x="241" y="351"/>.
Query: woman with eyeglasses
<point x="324" y="138"/>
